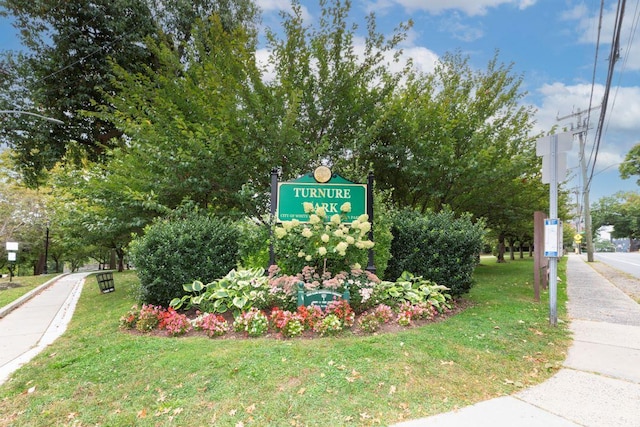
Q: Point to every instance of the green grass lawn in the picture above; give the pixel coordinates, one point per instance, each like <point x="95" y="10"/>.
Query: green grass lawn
<point x="97" y="375"/>
<point x="27" y="283"/>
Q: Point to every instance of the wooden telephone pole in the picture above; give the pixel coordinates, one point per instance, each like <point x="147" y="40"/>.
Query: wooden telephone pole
<point x="581" y="130"/>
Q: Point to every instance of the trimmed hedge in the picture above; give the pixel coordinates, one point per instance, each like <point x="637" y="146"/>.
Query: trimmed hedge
<point x="439" y="247"/>
<point x="178" y="251"/>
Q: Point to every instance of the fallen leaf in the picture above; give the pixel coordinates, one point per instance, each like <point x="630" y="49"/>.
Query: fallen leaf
<point x="142" y="413"/>
<point x="72" y="415"/>
<point x="448" y="362"/>
<point x="31" y="389"/>
<point x="404" y="406"/>
<point x="302" y="390"/>
<point x="239" y="424"/>
<point x="232" y="412"/>
<point x="249" y="409"/>
<point x="496" y="327"/>
<point x="331" y="362"/>
<point x="364" y="416"/>
<point x="392" y="389"/>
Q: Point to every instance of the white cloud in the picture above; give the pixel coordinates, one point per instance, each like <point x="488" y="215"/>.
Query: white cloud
<point x="587" y="23"/>
<point x="469" y="7"/>
<point x="424" y="60"/>
<point x="275" y="6"/>
<point x="622" y="120"/>
<point x="459" y="30"/>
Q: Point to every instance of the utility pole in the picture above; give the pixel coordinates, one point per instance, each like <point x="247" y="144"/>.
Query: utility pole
<point x="580" y="130"/>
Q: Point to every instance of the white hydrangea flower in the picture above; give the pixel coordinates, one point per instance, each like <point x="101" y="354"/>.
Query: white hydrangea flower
<point x="308" y="207"/>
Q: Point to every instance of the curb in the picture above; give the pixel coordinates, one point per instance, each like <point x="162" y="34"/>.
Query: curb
<point x="26" y="297"/>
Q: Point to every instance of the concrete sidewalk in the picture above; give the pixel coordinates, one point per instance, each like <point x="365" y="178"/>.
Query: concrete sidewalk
<point x="599" y="384"/>
<point x="34" y="321"/>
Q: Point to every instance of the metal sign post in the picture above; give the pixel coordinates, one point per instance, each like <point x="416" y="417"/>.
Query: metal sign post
<point x="12" y="249"/>
<point x="552" y="149"/>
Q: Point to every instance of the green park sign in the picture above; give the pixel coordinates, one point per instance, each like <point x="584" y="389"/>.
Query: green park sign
<point x="330" y="194"/>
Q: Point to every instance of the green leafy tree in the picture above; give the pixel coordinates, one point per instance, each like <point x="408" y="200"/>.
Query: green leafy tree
<point x="200" y="131"/>
<point x="24" y="213"/>
<point x="631" y="164"/>
<point x="622" y="211"/>
<point x="66" y="70"/>
<point x="328" y="89"/>
<point x="460" y="138"/>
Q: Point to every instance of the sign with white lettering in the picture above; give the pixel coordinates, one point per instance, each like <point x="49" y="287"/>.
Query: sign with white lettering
<point x="331" y="196"/>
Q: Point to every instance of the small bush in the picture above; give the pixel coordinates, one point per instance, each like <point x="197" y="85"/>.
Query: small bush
<point x="439" y="246"/>
<point x="178" y="251"/>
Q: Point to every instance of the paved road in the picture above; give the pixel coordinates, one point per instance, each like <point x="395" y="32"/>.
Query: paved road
<point x="629" y="262"/>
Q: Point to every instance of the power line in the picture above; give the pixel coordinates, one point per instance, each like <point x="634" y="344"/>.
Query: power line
<point x="614" y="56"/>
<point x="593" y="77"/>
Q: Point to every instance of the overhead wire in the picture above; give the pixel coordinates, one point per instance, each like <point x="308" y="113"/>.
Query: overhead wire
<point x="593" y="80"/>
<point x="627" y="52"/>
<point x="614" y="56"/>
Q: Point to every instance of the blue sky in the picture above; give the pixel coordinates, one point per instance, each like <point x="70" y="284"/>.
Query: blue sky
<point x="551" y="43"/>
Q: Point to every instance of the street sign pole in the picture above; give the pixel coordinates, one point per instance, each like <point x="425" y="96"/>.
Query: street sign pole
<point x="553" y="213"/>
<point x="552" y="150"/>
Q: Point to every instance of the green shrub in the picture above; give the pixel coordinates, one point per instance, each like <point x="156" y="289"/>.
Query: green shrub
<point x="439" y="246"/>
<point x="254" y="242"/>
<point x="381" y="231"/>
<point x="178" y="251"/>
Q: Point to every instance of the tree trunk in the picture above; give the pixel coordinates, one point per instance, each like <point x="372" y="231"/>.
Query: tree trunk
<point x="501" y="247"/>
<point x="521" y="251"/>
<point x="512" y="255"/>
<point x="120" y="253"/>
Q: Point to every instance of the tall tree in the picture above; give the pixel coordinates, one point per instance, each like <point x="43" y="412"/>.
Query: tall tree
<point x="199" y="128"/>
<point x="331" y="86"/>
<point x="66" y="70"/>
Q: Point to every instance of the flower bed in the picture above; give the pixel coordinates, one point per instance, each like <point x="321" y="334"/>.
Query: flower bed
<point x="305" y="322"/>
<point x="266" y="303"/>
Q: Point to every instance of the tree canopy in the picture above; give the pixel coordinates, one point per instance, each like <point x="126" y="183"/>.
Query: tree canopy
<point x="181" y="112"/>
<point x="631" y="164"/>
<point x="622" y="211"/>
<point x="67" y="69"/>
